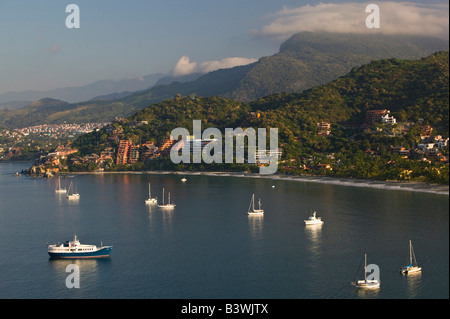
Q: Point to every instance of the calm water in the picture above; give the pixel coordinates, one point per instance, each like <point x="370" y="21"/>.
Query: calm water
<point x="208" y="247"/>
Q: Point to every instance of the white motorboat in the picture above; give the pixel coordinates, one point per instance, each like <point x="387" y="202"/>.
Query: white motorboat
<point x="313" y="220"/>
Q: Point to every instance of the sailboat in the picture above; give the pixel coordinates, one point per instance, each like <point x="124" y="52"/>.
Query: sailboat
<point x="150" y="199"/>
<point x="168" y="205"/>
<point x="59" y="189"/>
<point x="71" y="194"/>
<point x="367" y="283"/>
<point x="251" y="207"/>
<point x="412" y="267"/>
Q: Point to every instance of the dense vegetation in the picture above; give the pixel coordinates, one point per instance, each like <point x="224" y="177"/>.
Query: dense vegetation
<point x="304" y="61"/>
<point x="416" y="92"/>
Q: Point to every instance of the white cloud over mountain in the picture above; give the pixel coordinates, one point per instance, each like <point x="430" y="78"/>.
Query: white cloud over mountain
<point x="184" y="65"/>
<point x="395" y="18"/>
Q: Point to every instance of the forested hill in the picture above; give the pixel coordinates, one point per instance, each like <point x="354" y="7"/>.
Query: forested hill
<point x="309" y="59"/>
<point x="304" y="61"/>
<point x="413" y="90"/>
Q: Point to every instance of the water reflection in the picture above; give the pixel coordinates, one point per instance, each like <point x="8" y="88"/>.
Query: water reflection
<point x="314" y="235"/>
<point x="367" y="293"/>
<point x="160" y="219"/>
<point x="256" y="224"/>
<point x="85" y="265"/>
<point x="414" y="283"/>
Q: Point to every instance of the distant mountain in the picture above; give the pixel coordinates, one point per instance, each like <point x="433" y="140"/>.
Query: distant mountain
<point x="13" y="105"/>
<point x="308" y="59"/>
<point x="410" y="89"/>
<point x="415" y="91"/>
<point x="305" y="60"/>
<point x="86" y="92"/>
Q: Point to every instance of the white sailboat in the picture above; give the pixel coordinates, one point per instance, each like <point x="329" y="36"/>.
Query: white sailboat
<point x="71" y="194"/>
<point x="367" y="283"/>
<point x="184" y="179"/>
<point x="59" y="189"/>
<point x="251" y="207"/>
<point x="313" y="220"/>
<point x="150" y="199"/>
<point x="412" y="267"/>
<point x="169" y="205"/>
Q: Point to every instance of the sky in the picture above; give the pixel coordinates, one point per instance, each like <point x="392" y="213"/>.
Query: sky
<point x="133" y="38"/>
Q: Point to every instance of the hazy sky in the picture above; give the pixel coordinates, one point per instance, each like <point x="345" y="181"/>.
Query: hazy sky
<point x="133" y="38"/>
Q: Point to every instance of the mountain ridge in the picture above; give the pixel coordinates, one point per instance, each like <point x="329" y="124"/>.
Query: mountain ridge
<point x="304" y="61"/>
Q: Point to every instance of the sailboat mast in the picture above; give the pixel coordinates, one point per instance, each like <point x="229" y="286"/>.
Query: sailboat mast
<point x="365" y="267"/>
<point x="410" y="252"/>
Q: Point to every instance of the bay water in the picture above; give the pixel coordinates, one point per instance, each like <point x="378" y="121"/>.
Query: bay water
<point x="208" y="246"/>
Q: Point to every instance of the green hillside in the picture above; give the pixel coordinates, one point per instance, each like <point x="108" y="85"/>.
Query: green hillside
<point x="304" y="61"/>
<point x="410" y="89"/>
<point x="415" y="91"/>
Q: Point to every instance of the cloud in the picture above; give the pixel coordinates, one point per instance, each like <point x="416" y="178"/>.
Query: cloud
<point x="395" y="18"/>
<point x="184" y="65"/>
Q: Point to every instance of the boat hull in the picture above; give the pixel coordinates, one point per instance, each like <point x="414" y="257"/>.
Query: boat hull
<point x="368" y="284"/>
<point x="103" y="252"/>
<point x="309" y="222"/>
<point x="167" y="206"/>
<point x="408" y="270"/>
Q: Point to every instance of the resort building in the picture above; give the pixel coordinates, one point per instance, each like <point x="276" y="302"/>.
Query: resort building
<point x="122" y="151"/>
<point x="134" y="154"/>
<point x="324" y="128"/>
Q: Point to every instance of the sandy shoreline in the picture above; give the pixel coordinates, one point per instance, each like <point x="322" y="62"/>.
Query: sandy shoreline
<point x="388" y="185"/>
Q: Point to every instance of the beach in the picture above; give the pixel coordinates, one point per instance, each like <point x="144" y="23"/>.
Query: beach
<point x="351" y="182"/>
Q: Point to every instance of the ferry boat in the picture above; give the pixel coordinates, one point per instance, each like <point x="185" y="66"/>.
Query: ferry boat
<point x="73" y="249"/>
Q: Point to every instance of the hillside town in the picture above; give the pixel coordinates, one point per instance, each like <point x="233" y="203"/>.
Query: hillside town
<point x="122" y="153"/>
<point x="19" y="143"/>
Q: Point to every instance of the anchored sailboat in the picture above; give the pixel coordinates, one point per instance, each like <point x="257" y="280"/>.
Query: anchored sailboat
<point x="251" y="208"/>
<point x="59" y="189"/>
<point x="150" y="199"/>
<point x="412" y="267"/>
<point x="168" y="205"/>
<point x="367" y="283"/>
<point x="71" y="194"/>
